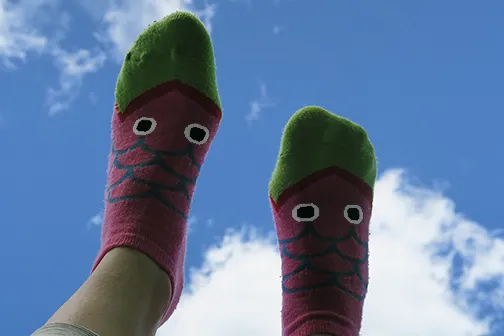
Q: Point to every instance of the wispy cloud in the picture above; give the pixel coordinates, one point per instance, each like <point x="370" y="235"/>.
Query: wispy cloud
<point x="18" y="35"/>
<point x="38" y="26"/>
<point x="416" y="235"/>
<point x="96" y="220"/>
<point x="259" y="104"/>
<point x="73" y="67"/>
<point x="277" y="29"/>
<point x="191" y="224"/>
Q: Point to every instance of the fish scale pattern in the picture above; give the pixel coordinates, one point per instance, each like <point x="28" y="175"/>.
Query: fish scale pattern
<point x="334" y="277"/>
<point x="155" y="190"/>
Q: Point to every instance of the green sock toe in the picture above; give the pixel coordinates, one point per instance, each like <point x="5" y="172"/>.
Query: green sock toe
<point x="315" y="139"/>
<point x="176" y="48"/>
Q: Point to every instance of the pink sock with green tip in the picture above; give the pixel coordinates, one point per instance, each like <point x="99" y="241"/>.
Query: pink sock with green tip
<point x="166" y="115"/>
<point x="321" y="193"/>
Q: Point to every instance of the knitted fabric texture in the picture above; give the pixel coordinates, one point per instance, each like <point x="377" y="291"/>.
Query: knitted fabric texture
<point x="322" y="222"/>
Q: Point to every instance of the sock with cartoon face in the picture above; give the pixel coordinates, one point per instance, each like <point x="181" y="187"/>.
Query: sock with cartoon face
<point x="167" y="113"/>
<point x="321" y="193"/>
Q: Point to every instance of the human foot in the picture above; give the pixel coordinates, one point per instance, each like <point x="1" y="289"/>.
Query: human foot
<point x="321" y="193"/>
<point x="166" y="115"/>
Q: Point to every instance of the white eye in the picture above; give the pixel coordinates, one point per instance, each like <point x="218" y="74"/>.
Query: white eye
<point x="353" y="214"/>
<point x="196" y="134"/>
<point x="144" y="126"/>
<point x="305" y="212"/>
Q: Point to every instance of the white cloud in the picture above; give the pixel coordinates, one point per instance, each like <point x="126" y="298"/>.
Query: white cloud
<point x="18" y="35"/>
<point x="259" y="104"/>
<point x="191" y="224"/>
<point x="124" y="20"/>
<point x="277" y="29"/>
<point x="23" y="30"/>
<point x="73" y="67"/>
<point x="237" y="290"/>
<point x="96" y="220"/>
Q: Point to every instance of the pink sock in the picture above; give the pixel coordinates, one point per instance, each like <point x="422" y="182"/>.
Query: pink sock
<point x="323" y="226"/>
<point x="158" y="147"/>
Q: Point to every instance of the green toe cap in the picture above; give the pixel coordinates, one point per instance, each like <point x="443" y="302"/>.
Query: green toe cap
<point x="176" y="48"/>
<point x="315" y="139"/>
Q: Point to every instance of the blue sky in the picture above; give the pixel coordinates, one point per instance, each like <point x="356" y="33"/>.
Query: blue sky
<point x="424" y="79"/>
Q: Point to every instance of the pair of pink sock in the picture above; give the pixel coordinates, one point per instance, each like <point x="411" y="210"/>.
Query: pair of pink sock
<point x="158" y="147"/>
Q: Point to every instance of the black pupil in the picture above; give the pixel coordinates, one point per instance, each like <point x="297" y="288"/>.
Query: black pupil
<point x="144" y="125"/>
<point x="197" y="134"/>
<point x="353" y="214"/>
<point x="306" y="212"/>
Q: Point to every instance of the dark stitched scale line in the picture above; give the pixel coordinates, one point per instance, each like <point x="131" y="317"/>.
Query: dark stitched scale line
<point x="334" y="276"/>
<point x="155" y="188"/>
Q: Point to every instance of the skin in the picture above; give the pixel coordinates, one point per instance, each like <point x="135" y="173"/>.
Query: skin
<point x="326" y="161"/>
<point x="125" y="295"/>
<point x="166" y="78"/>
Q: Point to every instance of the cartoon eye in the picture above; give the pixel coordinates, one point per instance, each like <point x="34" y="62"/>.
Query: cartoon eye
<point x="196" y="134"/>
<point x="353" y="214"/>
<point x="144" y="126"/>
<point x="305" y="212"/>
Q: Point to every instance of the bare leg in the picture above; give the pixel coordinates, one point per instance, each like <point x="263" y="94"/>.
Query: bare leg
<point x="125" y="296"/>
